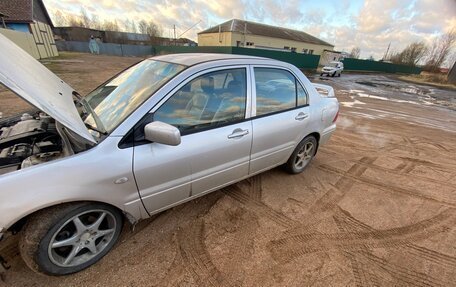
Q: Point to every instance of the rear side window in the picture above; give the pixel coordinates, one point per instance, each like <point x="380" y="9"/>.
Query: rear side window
<point x="277" y="90"/>
<point x="211" y="100"/>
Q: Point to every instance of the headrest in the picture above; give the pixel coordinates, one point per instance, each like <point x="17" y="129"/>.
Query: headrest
<point x="207" y="84"/>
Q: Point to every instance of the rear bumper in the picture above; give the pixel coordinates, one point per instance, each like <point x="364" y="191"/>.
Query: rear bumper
<point x="326" y="134"/>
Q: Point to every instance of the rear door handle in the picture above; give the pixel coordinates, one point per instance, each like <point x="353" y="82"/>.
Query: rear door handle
<point x="301" y="116"/>
<point x="238" y="133"/>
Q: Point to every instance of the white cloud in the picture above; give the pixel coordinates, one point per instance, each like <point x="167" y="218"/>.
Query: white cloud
<point x="369" y="24"/>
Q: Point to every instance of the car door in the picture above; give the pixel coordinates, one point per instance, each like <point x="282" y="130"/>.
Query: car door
<point x="280" y="117"/>
<point x="210" y="111"/>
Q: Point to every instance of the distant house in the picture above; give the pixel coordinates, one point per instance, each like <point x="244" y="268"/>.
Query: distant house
<point x="240" y="33"/>
<point x="30" y="16"/>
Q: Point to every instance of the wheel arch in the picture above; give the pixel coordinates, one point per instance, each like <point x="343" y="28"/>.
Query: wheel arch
<point x="316" y="135"/>
<point x="20" y="223"/>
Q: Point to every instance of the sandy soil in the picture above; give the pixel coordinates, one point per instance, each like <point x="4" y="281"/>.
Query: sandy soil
<point x="377" y="207"/>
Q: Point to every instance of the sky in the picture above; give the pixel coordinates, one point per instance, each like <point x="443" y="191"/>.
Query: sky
<point x="369" y="25"/>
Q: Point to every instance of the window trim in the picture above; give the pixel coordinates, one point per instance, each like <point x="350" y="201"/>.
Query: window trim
<point x="128" y="140"/>
<point x="203" y="72"/>
<point x="254" y="94"/>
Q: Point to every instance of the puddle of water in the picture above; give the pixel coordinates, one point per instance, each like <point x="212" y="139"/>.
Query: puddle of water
<point x="352" y="104"/>
<point x="413" y="90"/>
<point x="364" y="115"/>
<point x="363" y="95"/>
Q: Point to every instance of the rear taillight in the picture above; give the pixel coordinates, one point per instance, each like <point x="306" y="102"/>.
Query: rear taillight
<point x="335" y="118"/>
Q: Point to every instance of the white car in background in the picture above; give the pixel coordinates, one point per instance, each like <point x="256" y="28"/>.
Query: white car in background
<point x="162" y="132"/>
<point x="333" y="69"/>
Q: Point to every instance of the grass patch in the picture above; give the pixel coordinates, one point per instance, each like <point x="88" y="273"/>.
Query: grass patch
<point x="433" y="79"/>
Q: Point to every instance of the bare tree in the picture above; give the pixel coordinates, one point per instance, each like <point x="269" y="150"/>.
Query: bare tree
<point x="411" y="55"/>
<point x="149" y="28"/>
<point x="414" y="52"/>
<point x="355" y="52"/>
<point x="130" y="26"/>
<point x="96" y="23"/>
<point x="59" y="19"/>
<point x="440" y="50"/>
<point x="110" y="26"/>
<point x="85" y="19"/>
<point x="74" y="21"/>
<point x="142" y="26"/>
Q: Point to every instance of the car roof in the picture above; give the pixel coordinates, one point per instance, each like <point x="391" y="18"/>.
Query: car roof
<point x="190" y="59"/>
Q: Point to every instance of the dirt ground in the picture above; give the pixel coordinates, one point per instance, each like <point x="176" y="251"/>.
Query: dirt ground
<point x="377" y="206"/>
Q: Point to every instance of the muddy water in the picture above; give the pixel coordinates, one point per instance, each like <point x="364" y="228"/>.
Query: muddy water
<point x="388" y="89"/>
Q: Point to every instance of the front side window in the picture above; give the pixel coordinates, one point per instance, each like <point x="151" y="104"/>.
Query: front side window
<point x="118" y="98"/>
<point x="212" y="100"/>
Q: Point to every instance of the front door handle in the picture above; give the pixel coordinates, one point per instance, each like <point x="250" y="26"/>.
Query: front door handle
<point x="238" y="133"/>
<point x="301" y="116"/>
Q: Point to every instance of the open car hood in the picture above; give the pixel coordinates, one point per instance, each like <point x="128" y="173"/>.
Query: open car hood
<point x="33" y="82"/>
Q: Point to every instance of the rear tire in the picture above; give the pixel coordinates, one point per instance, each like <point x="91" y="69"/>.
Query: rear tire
<point x="302" y="155"/>
<point x="70" y="237"/>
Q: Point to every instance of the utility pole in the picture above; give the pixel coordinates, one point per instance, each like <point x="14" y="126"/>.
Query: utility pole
<point x="245" y="32"/>
<point x="175" y="35"/>
<point x="387" y="50"/>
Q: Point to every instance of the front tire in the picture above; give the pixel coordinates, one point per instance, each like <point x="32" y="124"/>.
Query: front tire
<point x="70" y="237"/>
<point x="302" y="155"/>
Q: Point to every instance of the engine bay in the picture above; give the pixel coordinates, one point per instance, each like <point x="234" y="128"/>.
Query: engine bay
<point x="27" y="140"/>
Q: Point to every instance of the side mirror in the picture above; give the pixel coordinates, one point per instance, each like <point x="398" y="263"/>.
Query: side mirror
<point x="163" y="133"/>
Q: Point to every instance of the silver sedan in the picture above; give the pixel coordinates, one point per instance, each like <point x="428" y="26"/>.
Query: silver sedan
<point x="162" y="132"/>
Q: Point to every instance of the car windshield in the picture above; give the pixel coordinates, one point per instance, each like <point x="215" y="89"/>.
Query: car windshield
<point x="117" y="99"/>
<point x="333" y="64"/>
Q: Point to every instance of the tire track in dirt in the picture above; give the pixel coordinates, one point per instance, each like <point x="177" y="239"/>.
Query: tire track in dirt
<point x="324" y="207"/>
<point x="259" y="208"/>
<point x="400" y="273"/>
<point x="362" y="277"/>
<point x="286" y="249"/>
<point x="197" y="259"/>
<point x="383" y="186"/>
<point x="428" y="162"/>
<point x="411" y="146"/>
<point x="348" y="223"/>
<point x="256" y="188"/>
<point x="361" y="274"/>
<point x="345" y="218"/>
<point x="405" y="167"/>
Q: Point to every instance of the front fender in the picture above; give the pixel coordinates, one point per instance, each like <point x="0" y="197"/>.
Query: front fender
<point x="86" y="176"/>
